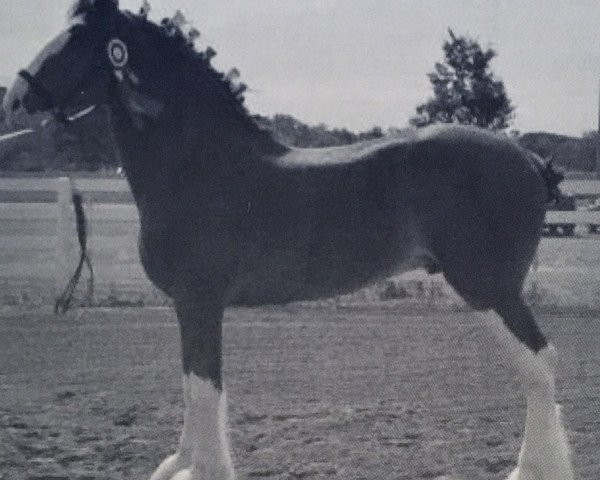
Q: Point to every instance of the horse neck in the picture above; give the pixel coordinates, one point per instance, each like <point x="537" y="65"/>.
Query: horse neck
<point x="188" y="147"/>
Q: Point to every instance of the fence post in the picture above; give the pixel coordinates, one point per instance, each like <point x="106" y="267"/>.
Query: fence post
<point x="64" y="234"/>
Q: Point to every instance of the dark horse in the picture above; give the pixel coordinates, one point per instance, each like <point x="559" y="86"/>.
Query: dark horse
<point x="229" y="216"/>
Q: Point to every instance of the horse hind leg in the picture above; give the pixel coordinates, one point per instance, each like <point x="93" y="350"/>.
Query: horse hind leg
<point x="544" y="453"/>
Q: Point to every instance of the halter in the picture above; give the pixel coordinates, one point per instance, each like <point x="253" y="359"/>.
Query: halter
<point x="57" y="109"/>
<point x="118" y="59"/>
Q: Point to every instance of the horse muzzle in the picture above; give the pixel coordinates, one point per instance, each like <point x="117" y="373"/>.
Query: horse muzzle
<point x="26" y="96"/>
<point x="14" y="100"/>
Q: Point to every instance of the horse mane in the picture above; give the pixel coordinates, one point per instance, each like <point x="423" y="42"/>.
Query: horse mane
<point x="230" y="92"/>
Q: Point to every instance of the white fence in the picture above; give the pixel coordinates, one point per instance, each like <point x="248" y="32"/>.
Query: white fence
<point x="37" y="223"/>
<point x="583" y="190"/>
<point x="36" y="215"/>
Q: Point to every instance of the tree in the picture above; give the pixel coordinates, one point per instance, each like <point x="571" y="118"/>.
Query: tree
<point x="291" y="131"/>
<point x="465" y="90"/>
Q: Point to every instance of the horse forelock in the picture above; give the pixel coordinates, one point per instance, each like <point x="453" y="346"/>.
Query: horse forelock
<point x="80" y="8"/>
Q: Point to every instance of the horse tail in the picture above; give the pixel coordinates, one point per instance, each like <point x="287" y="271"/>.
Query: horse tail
<point x="551" y="176"/>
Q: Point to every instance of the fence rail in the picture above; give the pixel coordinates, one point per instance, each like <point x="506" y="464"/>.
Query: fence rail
<point x="578" y="217"/>
<point x="45" y="225"/>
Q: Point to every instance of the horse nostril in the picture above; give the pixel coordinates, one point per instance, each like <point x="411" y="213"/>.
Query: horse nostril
<point x="16" y="105"/>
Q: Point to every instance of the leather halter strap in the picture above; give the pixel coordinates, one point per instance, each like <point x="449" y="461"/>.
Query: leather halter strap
<point x="37" y="88"/>
<point x="56" y="109"/>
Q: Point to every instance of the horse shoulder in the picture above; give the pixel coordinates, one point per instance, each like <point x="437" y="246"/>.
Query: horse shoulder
<point x="195" y="239"/>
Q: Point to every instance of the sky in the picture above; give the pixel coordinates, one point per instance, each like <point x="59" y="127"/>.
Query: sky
<point x="360" y="63"/>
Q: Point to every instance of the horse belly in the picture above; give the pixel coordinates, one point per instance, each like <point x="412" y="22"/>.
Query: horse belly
<point x="278" y="278"/>
<point x="288" y="276"/>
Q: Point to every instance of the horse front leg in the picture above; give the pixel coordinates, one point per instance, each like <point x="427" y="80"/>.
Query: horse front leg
<point x="544" y="453"/>
<point x="203" y="451"/>
<point x="182" y="459"/>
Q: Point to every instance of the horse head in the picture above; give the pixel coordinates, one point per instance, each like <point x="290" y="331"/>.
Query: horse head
<point x="71" y="72"/>
<point x="96" y="60"/>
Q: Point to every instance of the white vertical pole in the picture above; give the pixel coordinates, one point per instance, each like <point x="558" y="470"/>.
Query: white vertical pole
<point x="64" y="234"/>
<point x="598" y="136"/>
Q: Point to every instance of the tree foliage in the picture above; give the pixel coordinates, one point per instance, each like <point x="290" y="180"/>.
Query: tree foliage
<point x="465" y="90"/>
<point x="291" y="131"/>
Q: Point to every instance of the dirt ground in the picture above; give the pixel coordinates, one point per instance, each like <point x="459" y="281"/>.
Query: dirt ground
<point x="313" y="394"/>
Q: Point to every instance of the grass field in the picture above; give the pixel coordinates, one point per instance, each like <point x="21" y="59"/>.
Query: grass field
<point x="314" y="393"/>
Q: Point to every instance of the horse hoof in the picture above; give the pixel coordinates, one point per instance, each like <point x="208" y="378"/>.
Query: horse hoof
<point x="185" y="474"/>
<point x="536" y="474"/>
<point x="514" y="475"/>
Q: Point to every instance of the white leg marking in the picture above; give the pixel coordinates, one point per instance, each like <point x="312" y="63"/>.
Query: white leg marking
<point x="211" y="458"/>
<point x="182" y="459"/>
<point x="183" y="475"/>
<point x="545" y="453"/>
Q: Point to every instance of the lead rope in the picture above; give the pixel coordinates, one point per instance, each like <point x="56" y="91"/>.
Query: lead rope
<point x="64" y="301"/>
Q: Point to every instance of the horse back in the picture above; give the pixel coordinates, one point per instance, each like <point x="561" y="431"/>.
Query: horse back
<point x="333" y="220"/>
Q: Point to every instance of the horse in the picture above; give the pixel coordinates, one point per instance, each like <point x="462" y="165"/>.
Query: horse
<point x="230" y="216"/>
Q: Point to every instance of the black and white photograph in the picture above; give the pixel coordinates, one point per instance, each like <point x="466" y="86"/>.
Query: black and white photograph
<point x="299" y="240"/>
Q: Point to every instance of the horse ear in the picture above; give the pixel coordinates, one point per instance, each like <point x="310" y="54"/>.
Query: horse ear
<point x="106" y="7"/>
<point x="95" y="7"/>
